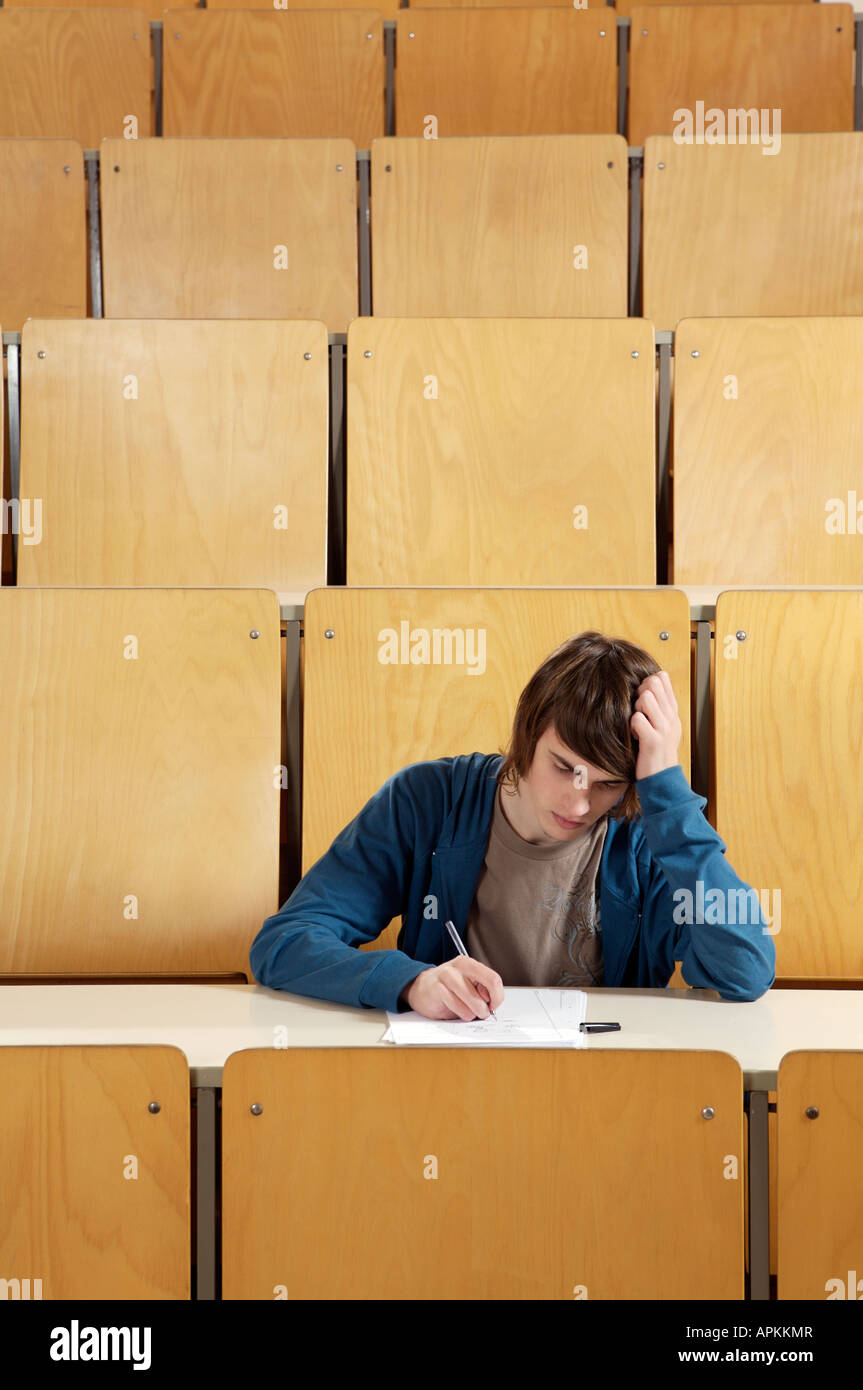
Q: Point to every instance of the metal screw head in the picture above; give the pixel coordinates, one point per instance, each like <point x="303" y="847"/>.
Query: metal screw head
<point x="411" y="36"/>
<point x="134" y="36"/>
<point x="660" y="166"/>
<point x="67" y="168"/>
<point x="307" y="357"/>
<point x="388" y="168"/>
<point x="254" y="633"/>
<point x="367" y="352"/>
<point x="644" y="32"/>
<point x="602" y="33"/>
<point x="695" y="353"/>
<point x="708" y="1112"/>
<point x="339" y="168"/>
<point x="812" y="1112"/>
<point x="154" y="1107"/>
<point x="256" y="1109"/>
<point x="610" y="164"/>
<point x="368" y="36"/>
<point x="329" y="634"/>
<point x="41" y="353"/>
<point x="633" y="354"/>
<point x="663" y="636"/>
<point x="176" y="36"/>
<point x="740" y="635"/>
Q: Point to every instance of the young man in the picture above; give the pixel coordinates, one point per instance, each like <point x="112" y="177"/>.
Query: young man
<point x="558" y="863"/>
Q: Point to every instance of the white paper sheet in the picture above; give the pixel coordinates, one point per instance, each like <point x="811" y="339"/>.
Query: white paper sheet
<point x="526" y="1018"/>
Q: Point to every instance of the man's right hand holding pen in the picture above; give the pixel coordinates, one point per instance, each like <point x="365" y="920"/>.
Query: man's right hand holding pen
<point x="461" y="988"/>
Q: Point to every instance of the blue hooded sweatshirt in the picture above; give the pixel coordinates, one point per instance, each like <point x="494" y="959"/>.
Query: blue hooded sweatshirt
<point x="416" y="849"/>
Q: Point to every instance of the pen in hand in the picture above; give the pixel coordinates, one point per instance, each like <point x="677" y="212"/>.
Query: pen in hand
<point x="462" y="950"/>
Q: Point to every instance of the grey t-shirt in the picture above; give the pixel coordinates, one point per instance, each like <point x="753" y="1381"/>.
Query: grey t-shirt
<point x="535" y="918"/>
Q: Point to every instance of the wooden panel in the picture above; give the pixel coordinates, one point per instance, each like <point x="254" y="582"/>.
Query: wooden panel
<point x="626" y="7"/>
<point x="43" y="230"/>
<point x="621" y="7"/>
<point x="275" y="73"/>
<point x="74" y="74"/>
<point x="451" y="408"/>
<point x="154" y="9"/>
<point x="529" y="225"/>
<point x="728" y="231"/>
<point x="794" y="64"/>
<point x="820" y="1203"/>
<point x="344" y="1204"/>
<point x="387" y="9"/>
<point x="789" y="765"/>
<point x="169" y="449"/>
<point x="179" y="240"/>
<point x="364" y="720"/>
<point x="139" y="819"/>
<point x="506" y="72"/>
<point x="101" y="1183"/>
<point x="493" y="4"/>
<point x="772" y="408"/>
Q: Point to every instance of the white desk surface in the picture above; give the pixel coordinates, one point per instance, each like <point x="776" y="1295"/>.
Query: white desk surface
<point x="210" y="1021"/>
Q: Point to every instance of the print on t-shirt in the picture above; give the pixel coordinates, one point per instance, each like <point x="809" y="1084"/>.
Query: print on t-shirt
<point x="575" y="920"/>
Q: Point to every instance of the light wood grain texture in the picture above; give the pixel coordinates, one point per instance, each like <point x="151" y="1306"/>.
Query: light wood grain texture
<point x="275" y="73"/>
<point x="527" y="225"/>
<point x="153" y="9"/>
<point x="506" y="72"/>
<point x="442" y="416"/>
<point x="768" y="413"/>
<point x="797" y="59"/>
<point x="230" y="229"/>
<point x="74" y="1119"/>
<point x="730" y="231"/>
<point x="341" y="1206"/>
<point x="365" y="720"/>
<point x="820" y="1201"/>
<point x="509" y="4"/>
<point x="74" y="74"/>
<point x="388" y="9"/>
<point x="626" y="7"/>
<point x="139" y="822"/>
<point x="181" y="483"/>
<point x="43" y="230"/>
<point x="789" y="764"/>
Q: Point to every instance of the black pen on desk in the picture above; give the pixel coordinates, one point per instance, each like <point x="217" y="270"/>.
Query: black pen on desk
<point x="460" y="947"/>
<point x="599" y="1027"/>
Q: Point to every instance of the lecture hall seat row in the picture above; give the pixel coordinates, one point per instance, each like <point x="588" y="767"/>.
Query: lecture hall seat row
<point x="523" y="225"/>
<point x="175" y="452"/>
<point x="526" y="226"/>
<point x="390" y="9"/>
<point x="325" y="1174"/>
<point x="173" y="867"/>
<point x="161" y="712"/>
<point x="469" y="71"/>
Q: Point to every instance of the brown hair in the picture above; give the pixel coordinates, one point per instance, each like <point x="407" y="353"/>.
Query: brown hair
<point x="586" y="688"/>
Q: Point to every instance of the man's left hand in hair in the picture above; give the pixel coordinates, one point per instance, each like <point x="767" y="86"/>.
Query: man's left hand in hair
<point x="656" y="724"/>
